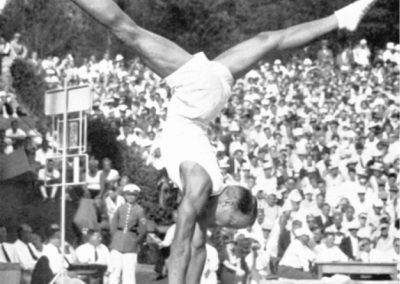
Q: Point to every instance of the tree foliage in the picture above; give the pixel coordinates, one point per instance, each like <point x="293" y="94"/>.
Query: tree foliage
<point x="29" y="86"/>
<point x="52" y="27"/>
<point x="58" y="27"/>
<point x="102" y="139"/>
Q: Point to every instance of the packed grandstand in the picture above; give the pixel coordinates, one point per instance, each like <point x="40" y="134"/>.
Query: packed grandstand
<point x="315" y="138"/>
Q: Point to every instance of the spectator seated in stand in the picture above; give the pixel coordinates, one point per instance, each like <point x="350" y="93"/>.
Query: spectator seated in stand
<point x="316" y="142"/>
<point x="6" y="144"/>
<point x="16" y="134"/>
<point x="94" y="252"/>
<point x="46" y="177"/>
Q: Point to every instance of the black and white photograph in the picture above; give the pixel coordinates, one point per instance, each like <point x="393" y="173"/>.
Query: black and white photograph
<point x="199" y="142"/>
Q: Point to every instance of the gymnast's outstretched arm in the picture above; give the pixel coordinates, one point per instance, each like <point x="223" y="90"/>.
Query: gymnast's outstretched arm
<point x="161" y="55"/>
<point x="242" y="57"/>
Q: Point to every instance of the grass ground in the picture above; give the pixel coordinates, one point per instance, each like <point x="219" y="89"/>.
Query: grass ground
<point x="146" y="275"/>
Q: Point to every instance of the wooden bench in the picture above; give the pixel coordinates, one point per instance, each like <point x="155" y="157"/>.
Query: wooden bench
<point x="348" y="268"/>
<point x="10" y="273"/>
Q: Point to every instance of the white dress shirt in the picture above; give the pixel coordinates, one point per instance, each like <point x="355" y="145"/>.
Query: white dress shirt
<point x="89" y="254"/>
<point x="355" y="246"/>
<point x="298" y="256"/>
<point x="169" y="237"/>
<point x="255" y="233"/>
<point x="332" y="254"/>
<point x="57" y="263"/>
<point x="41" y="156"/>
<point x="112" y="206"/>
<point x="372" y="256"/>
<point x="93" y="182"/>
<point x="384" y="245"/>
<point x="7" y="253"/>
<point x="261" y="262"/>
<point x="44" y="175"/>
<point x="26" y="254"/>
<point x="18" y="134"/>
<point x="333" y="229"/>
<point x="113" y="175"/>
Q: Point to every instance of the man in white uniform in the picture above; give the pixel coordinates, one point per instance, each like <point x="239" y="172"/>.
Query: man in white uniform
<point x="200" y="90"/>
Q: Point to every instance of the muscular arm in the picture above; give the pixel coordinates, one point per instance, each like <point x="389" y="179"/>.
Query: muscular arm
<point x="197" y="187"/>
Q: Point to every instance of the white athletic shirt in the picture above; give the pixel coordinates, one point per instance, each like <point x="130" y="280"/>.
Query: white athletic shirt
<point x="200" y="90"/>
<point x="93" y="183"/>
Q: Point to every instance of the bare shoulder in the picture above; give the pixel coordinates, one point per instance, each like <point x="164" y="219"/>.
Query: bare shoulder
<point x="194" y="178"/>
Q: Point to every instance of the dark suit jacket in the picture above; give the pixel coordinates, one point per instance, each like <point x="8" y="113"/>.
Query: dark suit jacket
<point x="325" y="224"/>
<point x="283" y="241"/>
<point x="231" y="163"/>
<point x="347" y="247"/>
<point x="128" y="227"/>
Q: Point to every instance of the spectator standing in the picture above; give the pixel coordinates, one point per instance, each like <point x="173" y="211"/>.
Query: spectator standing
<point x="113" y="201"/>
<point x="362" y="54"/>
<point x="16" y="50"/>
<point x="325" y="55"/>
<point x="127" y="227"/>
<point x="93" y="178"/>
<point x="389" y="55"/>
<point x="345" y="59"/>
<point x="5" y="50"/>
<point x="108" y="176"/>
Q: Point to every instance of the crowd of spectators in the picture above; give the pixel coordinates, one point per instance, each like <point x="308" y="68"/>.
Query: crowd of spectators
<point x="316" y="140"/>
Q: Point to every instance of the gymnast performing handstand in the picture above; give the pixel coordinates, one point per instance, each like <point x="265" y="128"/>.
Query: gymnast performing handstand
<point x="200" y="89"/>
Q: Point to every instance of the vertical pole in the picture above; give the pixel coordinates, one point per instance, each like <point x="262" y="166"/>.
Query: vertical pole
<point x="54" y="131"/>
<point x="64" y="177"/>
<point x="80" y="137"/>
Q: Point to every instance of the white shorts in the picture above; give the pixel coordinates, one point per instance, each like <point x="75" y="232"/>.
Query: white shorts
<point x="201" y="89"/>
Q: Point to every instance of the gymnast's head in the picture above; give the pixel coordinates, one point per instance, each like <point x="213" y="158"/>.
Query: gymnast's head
<point x="236" y="207"/>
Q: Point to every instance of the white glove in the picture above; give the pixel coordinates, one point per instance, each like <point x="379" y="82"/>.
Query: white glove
<point x="350" y="16"/>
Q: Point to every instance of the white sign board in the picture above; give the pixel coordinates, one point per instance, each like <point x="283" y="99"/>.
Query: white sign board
<point x="79" y="99"/>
